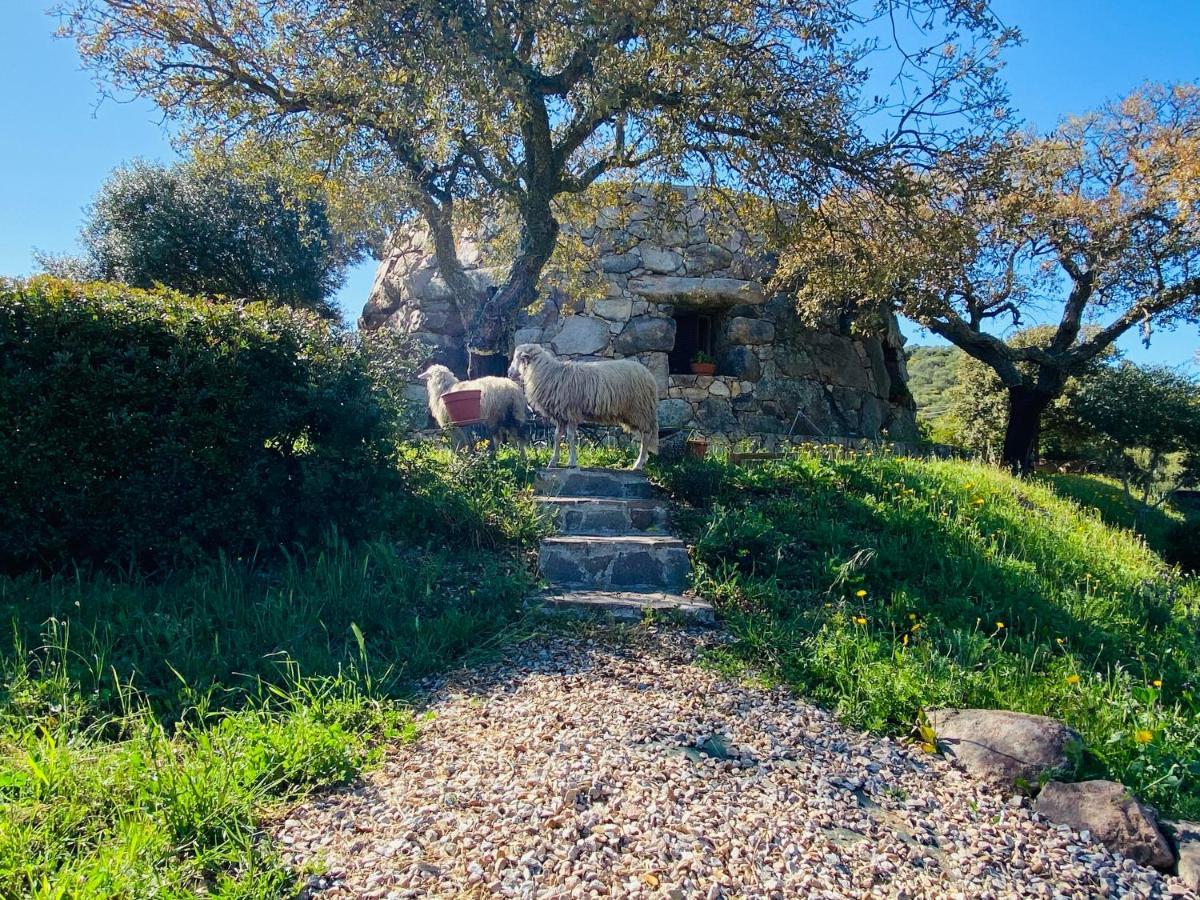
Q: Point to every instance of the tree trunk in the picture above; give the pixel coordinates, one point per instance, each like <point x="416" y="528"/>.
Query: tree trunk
<point x="1025" y="408"/>
<point x="490" y="325"/>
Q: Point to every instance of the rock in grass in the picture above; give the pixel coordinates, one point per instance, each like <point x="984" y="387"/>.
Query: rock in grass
<point x="1187" y="839"/>
<point x="1113" y="816"/>
<point x="1014" y="749"/>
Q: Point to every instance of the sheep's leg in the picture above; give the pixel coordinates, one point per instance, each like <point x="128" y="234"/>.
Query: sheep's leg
<point x="558" y="436"/>
<point x="572" y="442"/>
<point x="642" y="452"/>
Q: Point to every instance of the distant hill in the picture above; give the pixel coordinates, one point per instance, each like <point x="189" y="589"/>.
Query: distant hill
<point x="930" y="377"/>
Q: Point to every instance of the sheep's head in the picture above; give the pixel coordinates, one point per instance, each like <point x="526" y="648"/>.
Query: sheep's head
<point x="523" y="357"/>
<point x="438" y="376"/>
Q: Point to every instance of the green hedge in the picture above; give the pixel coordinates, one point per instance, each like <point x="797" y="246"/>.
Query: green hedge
<point x="145" y="427"/>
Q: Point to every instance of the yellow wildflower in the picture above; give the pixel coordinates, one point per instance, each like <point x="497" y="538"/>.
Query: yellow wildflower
<point x="859" y="620"/>
<point x="904" y="640"/>
<point x="999" y="626"/>
<point x="913" y="616"/>
<point x="1143" y="736"/>
<point x="1072" y="679"/>
<point x="1059" y="640"/>
<point x="860" y="593"/>
<point x="1157" y="682"/>
<point x="979" y="501"/>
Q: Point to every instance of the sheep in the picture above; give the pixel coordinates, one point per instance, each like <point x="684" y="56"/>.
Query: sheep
<point x="501" y="404"/>
<point x="609" y="392"/>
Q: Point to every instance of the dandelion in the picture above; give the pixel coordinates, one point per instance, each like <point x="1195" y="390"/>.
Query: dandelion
<point x="1143" y="736"/>
<point x="859" y="620"/>
<point x="999" y="626"/>
<point x="1060" y="640"/>
<point x="860" y="593"/>
<point x="1072" y="679"/>
<point x="1157" y="682"/>
<point x="979" y="501"/>
<point x="912" y="617"/>
<point x="904" y="640"/>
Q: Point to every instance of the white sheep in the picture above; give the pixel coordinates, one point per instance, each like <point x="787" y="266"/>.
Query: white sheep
<point x="609" y="392"/>
<point x="501" y="403"/>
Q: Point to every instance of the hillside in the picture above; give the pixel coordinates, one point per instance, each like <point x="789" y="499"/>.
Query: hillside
<point x="880" y="586"/>
<point x="930" y="377"/>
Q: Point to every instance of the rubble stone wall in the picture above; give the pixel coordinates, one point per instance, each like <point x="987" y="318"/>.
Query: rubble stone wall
<point x="774" y="376"/>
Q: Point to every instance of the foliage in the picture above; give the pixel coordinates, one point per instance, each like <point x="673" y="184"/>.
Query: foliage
<point x="147" y="728"/>
<point x="1147" y="419"/>
<point x="930" y="376"/>
<point x="210" y="231"/>
<point x="145" y="427"/>
<point x="881" y="585"/>
<point x="1099" y="217"/>
<point x="455" y="108"/>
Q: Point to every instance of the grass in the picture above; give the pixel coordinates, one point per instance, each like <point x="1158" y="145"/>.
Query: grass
<point x="879" y="585"/>
<point x="147" y="728"/>
<point x="1107" y="498"/>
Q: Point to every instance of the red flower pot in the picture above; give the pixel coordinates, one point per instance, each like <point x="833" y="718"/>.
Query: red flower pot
<point x="463" y="406"/>
<point x="697" y="448"/>
<point x="704" y="368"/>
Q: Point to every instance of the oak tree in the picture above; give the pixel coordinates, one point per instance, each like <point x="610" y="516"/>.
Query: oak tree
<point x="451" y="105"/>
<point x="1096" y="224"/>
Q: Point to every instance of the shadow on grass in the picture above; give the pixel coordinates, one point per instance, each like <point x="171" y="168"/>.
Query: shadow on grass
<point x="1107" y="499"/>
<point x="880" y="586"/>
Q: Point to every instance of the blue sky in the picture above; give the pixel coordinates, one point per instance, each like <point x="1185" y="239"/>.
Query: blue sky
<point x="59" y="142"/>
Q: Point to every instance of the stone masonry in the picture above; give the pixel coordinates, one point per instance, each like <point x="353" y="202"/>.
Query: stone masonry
<point x="665" y="266"/>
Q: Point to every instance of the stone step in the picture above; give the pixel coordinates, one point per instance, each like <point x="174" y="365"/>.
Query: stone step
<point x="605" y="515"/>
<point x="619" y="483"/>
<point x="639" y="563"/>
<point x="626" y="605"/>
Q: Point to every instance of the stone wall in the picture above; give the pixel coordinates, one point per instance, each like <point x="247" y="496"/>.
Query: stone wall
<point x="657" y="262"/>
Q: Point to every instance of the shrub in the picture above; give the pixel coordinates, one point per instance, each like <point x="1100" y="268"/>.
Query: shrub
<point x="143" y="427"/>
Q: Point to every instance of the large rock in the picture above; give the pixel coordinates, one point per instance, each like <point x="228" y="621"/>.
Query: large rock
<point x="674" y="413"/>
<point x="697" y="291"/>
<point x="618" y="310"/>
<point x="751" y="331"/>
<point x="715" y="415"/>
<point x="656" y="259"/>
<point x="1112" y="815"/>
<point x="620" y="263"/>
<point x="1187" y="839"/>
<point x="742" y="362"/>
<point x="1011" y="748"/>
<point x="581" y="335"/>
<point x="703" y="259"/>
<point x="645" y="333"/>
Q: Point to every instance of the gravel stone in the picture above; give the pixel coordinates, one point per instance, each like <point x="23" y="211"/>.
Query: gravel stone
<point x="611" y="764"/>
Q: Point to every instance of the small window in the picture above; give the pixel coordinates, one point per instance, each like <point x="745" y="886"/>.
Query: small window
<point x="693" y="334"/>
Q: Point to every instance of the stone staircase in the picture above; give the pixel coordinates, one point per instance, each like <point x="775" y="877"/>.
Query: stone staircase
<point x="613" y="553"/>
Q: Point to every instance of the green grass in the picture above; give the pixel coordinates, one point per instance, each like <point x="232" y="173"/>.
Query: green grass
<point x="879" y="585"/>
<point x="1106" y="497"/>
<point x="147" y="728"/>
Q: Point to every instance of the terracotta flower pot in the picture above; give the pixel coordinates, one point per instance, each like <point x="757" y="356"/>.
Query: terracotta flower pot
<point x="463" y="406"/>
<point x="704" y="368"/>
<point x="697" y="448"/>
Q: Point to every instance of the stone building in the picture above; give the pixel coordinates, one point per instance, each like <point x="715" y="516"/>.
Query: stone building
<point x="673" y="282"/>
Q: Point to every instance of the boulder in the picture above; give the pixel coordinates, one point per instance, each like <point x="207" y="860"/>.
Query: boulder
<point x="618" y="310"/>
<point x="645" y="333"/>
<point x="1187" y="841"/>
<point x="751" y="331"/>
<point x="697" y="291"/>
<point x="1011" y="748"/>
<point x="742" y="362"/>
<point x="620" y="263"/>
<point x="674" y="413"/>
<point x="703" y="259"/>
<point x="715" y="415"/>
<point x="656" y="259"/>
<point x="581" y="335"/>
<point x="1112" y="815"/>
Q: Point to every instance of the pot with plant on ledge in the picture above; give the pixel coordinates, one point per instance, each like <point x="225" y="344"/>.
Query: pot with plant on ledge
<point x="703" y="364"/>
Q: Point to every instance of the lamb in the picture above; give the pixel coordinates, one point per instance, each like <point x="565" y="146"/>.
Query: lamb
<point x="609" y="392"/>
<point x="501" y="404"/>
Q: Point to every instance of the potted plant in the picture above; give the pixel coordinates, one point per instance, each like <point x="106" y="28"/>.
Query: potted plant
<point x="697" y="445"/>
<point x="463" y="405"/>
<point x="703" y="364"/>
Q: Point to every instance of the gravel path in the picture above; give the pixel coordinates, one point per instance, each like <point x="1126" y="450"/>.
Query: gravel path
<point x="588" y="768"/>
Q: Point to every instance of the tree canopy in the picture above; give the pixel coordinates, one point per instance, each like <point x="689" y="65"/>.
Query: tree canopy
<point x="210" y="231"/>
<point x="1100" y="220"/>
<point x="453" y="105"/>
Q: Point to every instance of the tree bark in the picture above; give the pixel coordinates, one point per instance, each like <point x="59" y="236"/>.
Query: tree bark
<point x="489" y="326"/>
<point x="1025" y="408"/>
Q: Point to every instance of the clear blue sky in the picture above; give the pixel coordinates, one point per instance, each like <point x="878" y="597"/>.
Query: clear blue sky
<point x="57" y="145"/>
